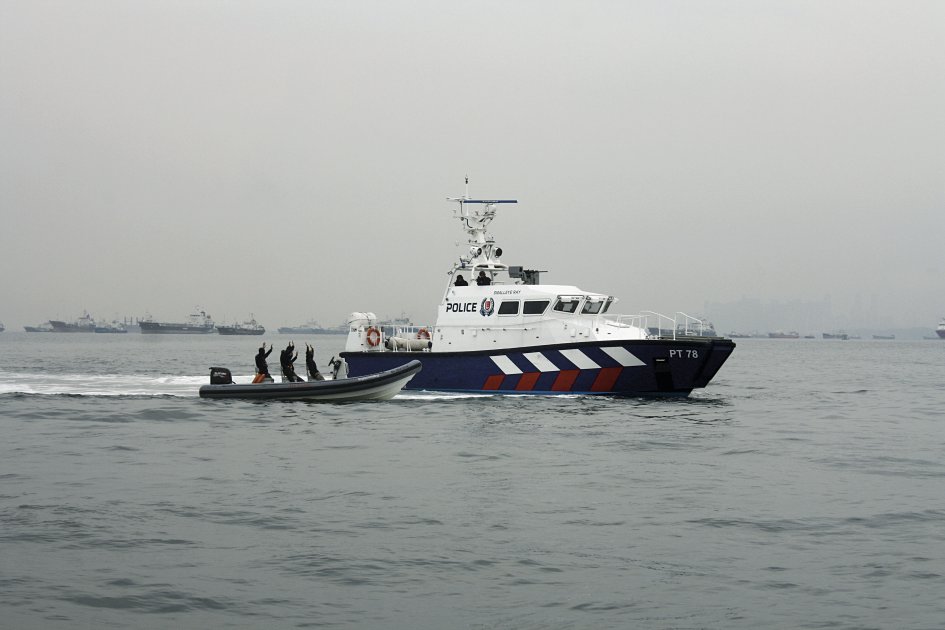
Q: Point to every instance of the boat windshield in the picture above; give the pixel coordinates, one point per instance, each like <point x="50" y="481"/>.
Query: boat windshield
<point x="567" y="304"/>
<point x="593" y="306"/>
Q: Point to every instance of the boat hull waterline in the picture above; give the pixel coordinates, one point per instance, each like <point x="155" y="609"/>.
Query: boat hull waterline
<point x="238" y="330"/>
<point x="249" y="327"/>
<point x="378" y="386"/>
<point x="159" y="328"/>
<point x="652" y="367"/>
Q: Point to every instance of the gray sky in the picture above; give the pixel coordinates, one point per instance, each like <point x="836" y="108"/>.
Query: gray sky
<point x="291" y="159"/>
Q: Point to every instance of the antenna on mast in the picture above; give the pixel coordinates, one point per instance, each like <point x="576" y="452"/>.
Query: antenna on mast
<point x="467" y="187"/>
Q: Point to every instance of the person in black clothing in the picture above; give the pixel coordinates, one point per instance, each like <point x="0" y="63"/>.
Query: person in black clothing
<point x="461" y="282"/>
<point x="286" y="359"/>
<point x="313" y="373"/>
<point x="483" y="280"/>
<point x="262" y="368"/>
<point x="283" y="362"/>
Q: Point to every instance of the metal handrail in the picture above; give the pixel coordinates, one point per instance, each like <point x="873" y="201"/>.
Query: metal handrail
<point x="690" y="319"/>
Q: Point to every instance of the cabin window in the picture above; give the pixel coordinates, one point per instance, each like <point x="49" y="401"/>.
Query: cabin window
<point x="509" y="307"/>
<point x="567" y="304"/>
<point x="592" y="307"/>
<point x="535" y="307"/>
<point x="607" y="304"/>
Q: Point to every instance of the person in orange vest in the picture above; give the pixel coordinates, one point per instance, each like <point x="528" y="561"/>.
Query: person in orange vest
<point x="262" y="368"/>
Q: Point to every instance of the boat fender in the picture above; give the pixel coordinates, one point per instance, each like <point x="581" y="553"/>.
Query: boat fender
<point x="373" y="336"/>
<point x="409" y="345"/>
<point x="423" y="333"/>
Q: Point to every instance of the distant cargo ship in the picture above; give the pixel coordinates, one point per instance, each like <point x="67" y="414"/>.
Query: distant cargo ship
<point x="39" y="328"/>
<point x="198" y="323"/>
<point x="312" y="327"/>
<point x="84" y="324"/>
<point x="115" y="327"/>
<point x="837" y="335"/>
<point x="784" y="335"/>
<point x="249" y="327"/>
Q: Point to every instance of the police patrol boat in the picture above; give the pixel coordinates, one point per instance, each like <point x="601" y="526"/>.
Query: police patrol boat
<point x="510" y="334"/>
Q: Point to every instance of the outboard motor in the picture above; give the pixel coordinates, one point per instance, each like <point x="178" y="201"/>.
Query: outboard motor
<point x="220" y="376"/>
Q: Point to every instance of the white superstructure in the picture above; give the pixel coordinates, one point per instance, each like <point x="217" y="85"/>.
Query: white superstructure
<point x="511" y="310"/>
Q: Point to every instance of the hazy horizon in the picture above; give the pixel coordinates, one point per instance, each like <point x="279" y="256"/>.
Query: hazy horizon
<point x="292" y="159"/>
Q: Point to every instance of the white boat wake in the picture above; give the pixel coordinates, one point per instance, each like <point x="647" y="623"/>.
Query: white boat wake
<point x="101" y="384"/>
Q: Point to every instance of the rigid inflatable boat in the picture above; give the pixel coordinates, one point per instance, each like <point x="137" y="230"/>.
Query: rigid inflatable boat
<point x="377" y="386"/>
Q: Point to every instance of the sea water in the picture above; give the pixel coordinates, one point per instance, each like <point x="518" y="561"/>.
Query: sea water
<point x="804" y="488"/>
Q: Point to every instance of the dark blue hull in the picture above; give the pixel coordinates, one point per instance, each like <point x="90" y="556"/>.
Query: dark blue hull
<point x="628" y="368"/>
